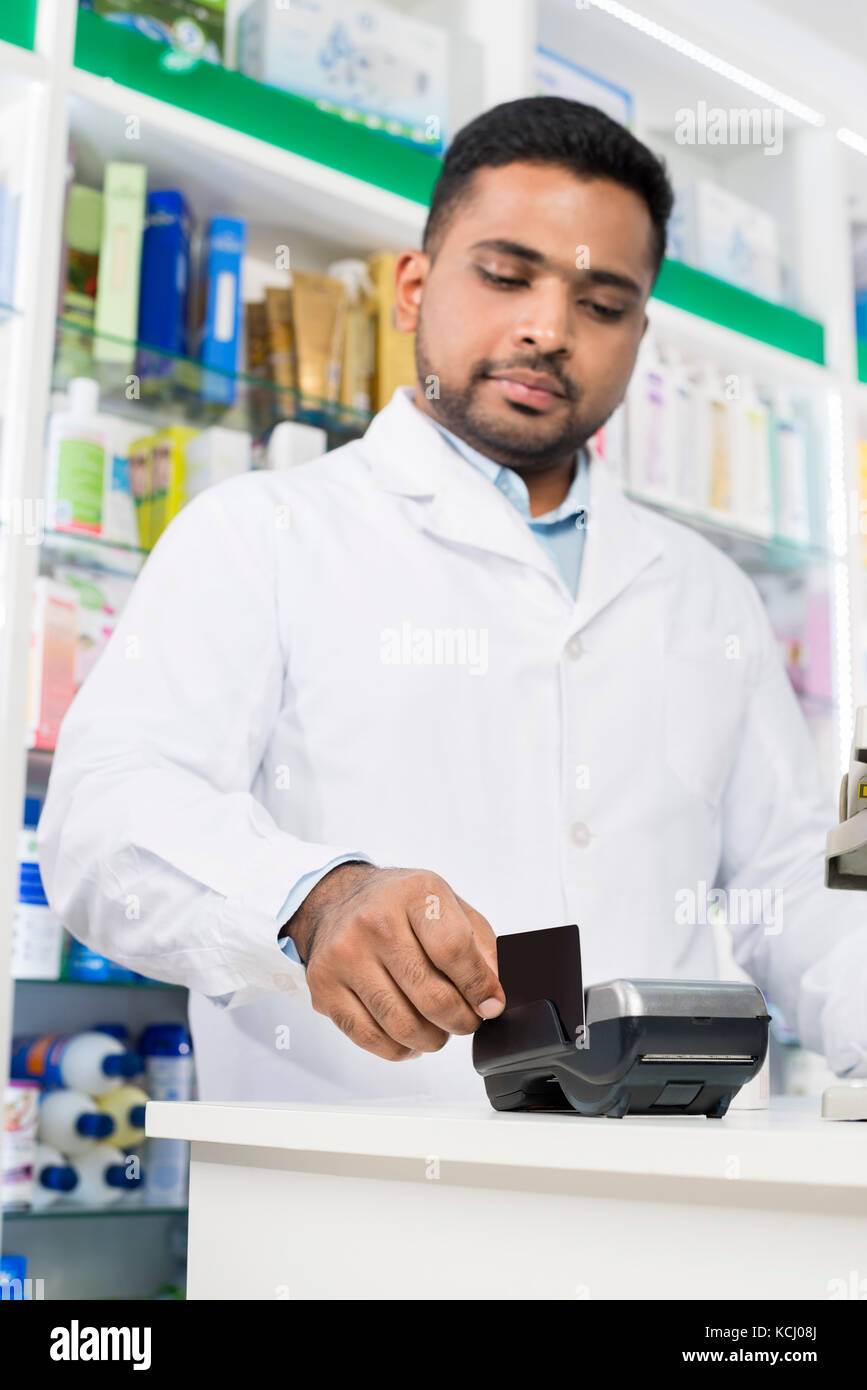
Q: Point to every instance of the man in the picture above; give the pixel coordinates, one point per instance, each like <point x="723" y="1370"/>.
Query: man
<point x="363" y="717"/>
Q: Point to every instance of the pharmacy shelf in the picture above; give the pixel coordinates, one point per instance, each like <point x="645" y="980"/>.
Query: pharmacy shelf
<point x="718" y="302"/>
<point x="176" y="389"/>
<point x="18" y="23"/>
<point x="264" y="150"/>
<point x="749" y="550"/>
<point x="65" y="1211"/>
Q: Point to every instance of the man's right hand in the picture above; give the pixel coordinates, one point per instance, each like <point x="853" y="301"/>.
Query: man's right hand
<point x="396" y="959"/>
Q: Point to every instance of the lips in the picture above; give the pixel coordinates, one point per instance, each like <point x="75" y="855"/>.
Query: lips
<point x="528" y="388"/>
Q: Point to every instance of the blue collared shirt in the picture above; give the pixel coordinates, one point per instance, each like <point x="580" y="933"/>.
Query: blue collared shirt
<point x="560" y="532"/>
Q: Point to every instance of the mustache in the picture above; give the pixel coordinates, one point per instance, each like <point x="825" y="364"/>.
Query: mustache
<point x="541" y="365"/>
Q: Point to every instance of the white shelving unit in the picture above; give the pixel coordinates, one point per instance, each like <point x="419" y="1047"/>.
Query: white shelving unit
<point x="812" y="187"/>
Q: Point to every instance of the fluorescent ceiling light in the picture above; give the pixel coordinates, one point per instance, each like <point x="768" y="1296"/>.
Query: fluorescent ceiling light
<point x="706" y="58"/>
<point x="853" y="139"/>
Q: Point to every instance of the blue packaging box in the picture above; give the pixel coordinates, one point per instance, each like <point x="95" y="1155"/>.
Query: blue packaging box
<point x="219" y="332"/>
<point x="165" y="272"/>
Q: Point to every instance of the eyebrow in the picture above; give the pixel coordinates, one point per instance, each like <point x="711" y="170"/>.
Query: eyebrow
<point x="528" y="253"/>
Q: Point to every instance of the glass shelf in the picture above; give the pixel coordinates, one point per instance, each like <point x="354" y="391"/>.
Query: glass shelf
<point x="172" y="389"/>
<point x="67" y="1210"/>
<point x="749" y="550"/>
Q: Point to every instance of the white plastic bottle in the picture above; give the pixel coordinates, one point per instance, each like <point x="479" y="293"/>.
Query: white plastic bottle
<point x="170" y="1069"/>
<point x="750" y="453"/>
<point x="647" y="403"/>
<point x="53" y="1177"/>
<point x="125" y="1110"/>
<point x="104" y="1176"/>
<point x="791" y="485"/>
<point x="89" y="1062"/>
<point x="71" y="1122"/>
<point x="76" y="465"/>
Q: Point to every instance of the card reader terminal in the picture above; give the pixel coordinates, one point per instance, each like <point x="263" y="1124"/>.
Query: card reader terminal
<point x="627" y="1046"/>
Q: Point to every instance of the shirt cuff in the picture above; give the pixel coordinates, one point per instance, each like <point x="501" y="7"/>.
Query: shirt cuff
<point x="300" y="891"/>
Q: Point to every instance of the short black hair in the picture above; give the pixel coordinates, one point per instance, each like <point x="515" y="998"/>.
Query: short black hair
<point x="551" y="130"/>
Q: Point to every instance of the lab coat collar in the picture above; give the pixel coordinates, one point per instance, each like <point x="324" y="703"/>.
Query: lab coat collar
<point x="409" y="456"/>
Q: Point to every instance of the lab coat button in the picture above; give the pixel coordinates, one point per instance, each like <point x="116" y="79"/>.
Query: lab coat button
<point x="580" y="834"/>
<point x="574" y="649"/>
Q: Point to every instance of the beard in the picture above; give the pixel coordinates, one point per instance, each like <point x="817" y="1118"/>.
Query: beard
<point x="529" y="440"/>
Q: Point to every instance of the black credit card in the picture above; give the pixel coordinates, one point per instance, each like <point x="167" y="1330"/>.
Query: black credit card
<point x="544" y="965"/>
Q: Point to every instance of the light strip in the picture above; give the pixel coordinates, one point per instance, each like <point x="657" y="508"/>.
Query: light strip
<point x="838" y="534"/>
<point x="852" y="139"/>
<point x="706" y="58"/>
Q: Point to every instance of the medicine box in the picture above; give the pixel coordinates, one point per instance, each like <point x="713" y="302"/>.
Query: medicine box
<point x="715" y="231"/>
<point x="364" y="61"/>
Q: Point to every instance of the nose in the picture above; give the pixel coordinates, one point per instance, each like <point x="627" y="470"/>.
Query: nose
<point x="545" y="321"/>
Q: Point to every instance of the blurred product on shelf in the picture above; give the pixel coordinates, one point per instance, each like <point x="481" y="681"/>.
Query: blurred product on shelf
<point x="104" y="1176"/>
<point x="156" y="471"/>
<point x="53" y="1177"/>
<point x="216" y="333"/>
<point x="790" y="463"/>
<point x="725" y="236"/>
<point x="72" y="1123"/>
<point x="124" y="1109"/>
<point x="395" y="350"/>
<point x="165" y="279"/>
<point x="77" y="452"/>
<point x="214" y="455"/>
<point x="10" y="205"/>
<point x="87" y="966"/>
<point x="319" y="318"/>
<point x="117" y="286"/>
<point x="52" y="660"/>
<point x="720" y="446"/>
<point x="359" y="334"/>
<point x="281" y="355"/>
<point x="170" y="1075"/>
<point x="17" y="1158"/>
<point x="194" y="27"/>
<point x="557" y="77"/>
<point x="91" y="1062"/>
<point x="610" y="444"/>
<point x="37" y="933"/>
<point x="13" y="1278"/>
<point x="859" y="248"/>
<point x="360" y="60"/>
<point x="291" y="442"/>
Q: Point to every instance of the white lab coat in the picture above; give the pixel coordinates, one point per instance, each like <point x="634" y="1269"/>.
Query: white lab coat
<point x="282" y="688"/>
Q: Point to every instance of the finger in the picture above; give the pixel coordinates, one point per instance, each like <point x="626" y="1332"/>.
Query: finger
<point x="427" y="989"/>
<point x="449" y="942"/>
<point x="484" y="934"/>
<point x="350" y="1015"/>
<point x="395" y="1014"/>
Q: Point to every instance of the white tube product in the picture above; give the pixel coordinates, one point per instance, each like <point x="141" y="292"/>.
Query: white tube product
<point x="71" y="1122"/>
<point x="53" y="1177"/>
<point x="104" y="1176"/>
<point x="89" y="1062"/>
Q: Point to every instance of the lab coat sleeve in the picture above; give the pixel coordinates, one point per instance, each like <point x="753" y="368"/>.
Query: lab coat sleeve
<point x="805" y="945"/>
<point x="152" y="849"/>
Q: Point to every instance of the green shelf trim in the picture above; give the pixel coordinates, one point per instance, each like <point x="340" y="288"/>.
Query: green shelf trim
<point x="18" y="22"/>
<point x="862" y="360"/>
<point x="710" y="298"/>
<point x="280" y="118"/>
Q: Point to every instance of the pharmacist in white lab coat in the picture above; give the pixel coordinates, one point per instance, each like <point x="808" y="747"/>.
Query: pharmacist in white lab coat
<point x="447" y="683"/>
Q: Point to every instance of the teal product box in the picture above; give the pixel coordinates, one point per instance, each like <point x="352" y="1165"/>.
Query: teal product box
<point x="165" y="274"/>
<point x="363" y="61"/>
<point x="195" y="27"/>
<point x="219" y="332"/>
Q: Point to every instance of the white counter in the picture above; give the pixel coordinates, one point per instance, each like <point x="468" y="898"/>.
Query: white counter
<point x="392" y="1202"/>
